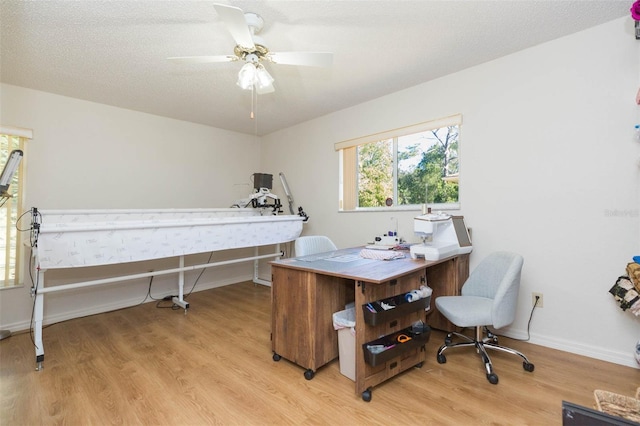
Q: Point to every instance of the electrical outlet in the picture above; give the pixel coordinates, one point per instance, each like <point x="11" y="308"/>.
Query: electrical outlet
<point x="540" y="303"/>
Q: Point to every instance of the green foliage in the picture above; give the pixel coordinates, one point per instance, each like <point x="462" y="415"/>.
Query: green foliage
<point x="375" y="174"/>
<point x="437" y="151"/>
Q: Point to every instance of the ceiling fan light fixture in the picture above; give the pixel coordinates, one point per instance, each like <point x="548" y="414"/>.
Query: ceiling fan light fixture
<point x="252" y="49"/>
<point x="247" y="76"/>
<point x="263" y="78"/>
<point x="254" y="74"/>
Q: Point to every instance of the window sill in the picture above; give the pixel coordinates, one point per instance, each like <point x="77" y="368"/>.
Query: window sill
<point x="433" y="207"/>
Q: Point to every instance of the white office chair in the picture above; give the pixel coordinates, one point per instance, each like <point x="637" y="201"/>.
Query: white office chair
<point x="312" y="244"/>
<point x="488" y="298"/>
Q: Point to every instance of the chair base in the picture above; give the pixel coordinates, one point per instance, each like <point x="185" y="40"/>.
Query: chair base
<point x="482" y="344"/>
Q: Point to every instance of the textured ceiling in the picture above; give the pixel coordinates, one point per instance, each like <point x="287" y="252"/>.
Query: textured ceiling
<point x="114" y="52"/>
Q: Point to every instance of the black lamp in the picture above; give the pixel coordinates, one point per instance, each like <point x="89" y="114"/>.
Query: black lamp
<point x="10" y="169"/>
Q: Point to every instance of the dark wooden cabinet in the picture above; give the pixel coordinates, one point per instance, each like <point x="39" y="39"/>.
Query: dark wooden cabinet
<point x="306" y="294"/>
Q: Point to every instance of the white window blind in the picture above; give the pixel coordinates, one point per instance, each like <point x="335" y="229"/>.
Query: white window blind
<point x="11" y="247"/>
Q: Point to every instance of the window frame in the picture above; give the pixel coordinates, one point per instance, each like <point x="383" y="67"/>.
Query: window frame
<point x="348" y="169"/>
<point x="21" y="136"/>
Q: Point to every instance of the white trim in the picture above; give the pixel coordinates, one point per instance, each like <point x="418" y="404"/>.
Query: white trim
<point x="16" y="131"/>
<point x="566" y="345"/>
<point x="405" y="207"/>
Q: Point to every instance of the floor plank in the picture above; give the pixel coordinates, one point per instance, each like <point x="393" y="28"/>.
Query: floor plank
<point x="146" y="365"/>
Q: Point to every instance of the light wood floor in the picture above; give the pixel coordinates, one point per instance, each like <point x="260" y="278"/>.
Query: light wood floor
<point x="152" y="366"/>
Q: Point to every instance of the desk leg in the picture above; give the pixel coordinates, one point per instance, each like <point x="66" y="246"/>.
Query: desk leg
<point x="256" y="266"/>
<point x="38" y="313"/>
<point x="180" y="299"/>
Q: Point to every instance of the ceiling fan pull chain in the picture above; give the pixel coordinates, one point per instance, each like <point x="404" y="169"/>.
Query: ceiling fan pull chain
<point x="255" y="122"/>
<point x="253" y="94"/>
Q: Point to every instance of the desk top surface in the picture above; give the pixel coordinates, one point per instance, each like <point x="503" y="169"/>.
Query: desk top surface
<point x="347" y="263"/>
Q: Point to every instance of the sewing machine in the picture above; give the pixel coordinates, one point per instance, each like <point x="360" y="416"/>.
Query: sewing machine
<point x="442" y="236"/>
<point x="262" y="198"/>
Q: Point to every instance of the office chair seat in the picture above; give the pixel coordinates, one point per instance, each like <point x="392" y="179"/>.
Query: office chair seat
<point x="466" y="311"/>
<point x="488" y="299"/>
<point x="313" y="244"/>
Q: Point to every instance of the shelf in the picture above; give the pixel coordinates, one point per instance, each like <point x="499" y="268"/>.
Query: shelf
<point x="398" y="348"/>
<point x="402" y="307"/>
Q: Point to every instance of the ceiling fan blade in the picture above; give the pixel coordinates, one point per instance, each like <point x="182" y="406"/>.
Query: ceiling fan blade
<point x="202" y="59"/>
<point x="236" y="23"/>
<point x="311" y="59"/>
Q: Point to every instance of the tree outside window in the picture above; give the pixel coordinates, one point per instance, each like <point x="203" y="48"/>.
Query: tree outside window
<point x="408" y="170"/>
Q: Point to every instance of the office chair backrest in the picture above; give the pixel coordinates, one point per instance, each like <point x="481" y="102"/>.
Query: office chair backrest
<point x="497" y="277"/>
<point x="312" y="244"/>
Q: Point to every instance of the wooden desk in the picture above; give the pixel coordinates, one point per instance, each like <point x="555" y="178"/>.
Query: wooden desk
<point x="306" y="291"/>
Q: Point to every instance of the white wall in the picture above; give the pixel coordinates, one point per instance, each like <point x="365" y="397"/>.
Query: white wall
<point x="90" y="156"/>
<point x="549" y="169"/>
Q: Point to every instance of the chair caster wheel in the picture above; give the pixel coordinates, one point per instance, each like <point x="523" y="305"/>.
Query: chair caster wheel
<point x="308" y="374"/>
<point x="276" y="357"/>
<point x="528" y="366"/>
<point x="441" y="359"/>
<point x="492" y="378"/>
<point x="366" y="395"/>
<point x="419" y="365"/>
<point x="448" y="340"/>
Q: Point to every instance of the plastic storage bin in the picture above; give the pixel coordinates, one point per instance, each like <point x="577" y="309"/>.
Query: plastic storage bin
<point x="374" y="314"/>
<point x="410" y="341"/>
<point x="344" y="321"/>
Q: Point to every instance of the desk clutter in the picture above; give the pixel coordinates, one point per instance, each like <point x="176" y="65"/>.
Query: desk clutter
<point x="390" y="346"/>
<point x="380" y="311"/>
<point x="377" y="254"/>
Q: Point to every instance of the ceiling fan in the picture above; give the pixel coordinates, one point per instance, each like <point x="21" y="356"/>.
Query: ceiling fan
<point x="251" y="49"/>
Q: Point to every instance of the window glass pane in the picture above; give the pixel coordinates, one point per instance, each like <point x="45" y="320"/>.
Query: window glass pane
<point x="411" y="173"/>
<point x="428" y="167"/>
<point x="9" y="208"/>
<point x="402" y="171"/>
<point x="375" y="173"/>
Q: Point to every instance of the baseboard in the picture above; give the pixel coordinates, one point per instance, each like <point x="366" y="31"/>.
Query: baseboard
<point x="18" y="327"/>
<point x="596" y="352"/>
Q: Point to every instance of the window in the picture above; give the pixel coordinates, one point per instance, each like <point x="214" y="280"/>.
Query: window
<point x="402" y="168"/>
<point x="11" y="247"/>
